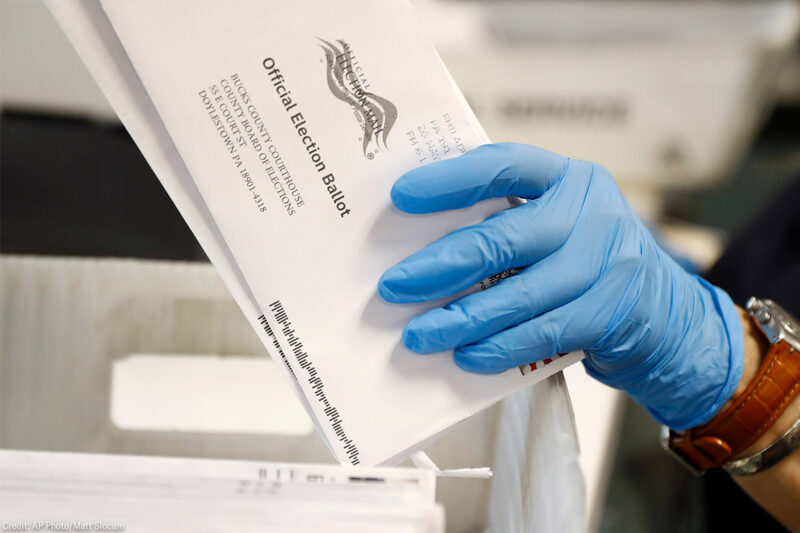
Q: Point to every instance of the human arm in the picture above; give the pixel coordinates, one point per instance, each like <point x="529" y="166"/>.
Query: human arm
<point x="776" y="489"/>
<point x="592" y="278"/>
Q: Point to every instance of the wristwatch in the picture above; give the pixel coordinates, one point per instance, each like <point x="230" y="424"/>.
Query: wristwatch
<point x="720" y="442"/>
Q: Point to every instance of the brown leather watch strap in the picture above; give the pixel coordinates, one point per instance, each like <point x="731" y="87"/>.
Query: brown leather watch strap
<point x="734" y="429"/>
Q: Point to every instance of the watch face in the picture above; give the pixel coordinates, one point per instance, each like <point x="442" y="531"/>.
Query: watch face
<point x="775" y="322"/>
<point x="786" y="322"/>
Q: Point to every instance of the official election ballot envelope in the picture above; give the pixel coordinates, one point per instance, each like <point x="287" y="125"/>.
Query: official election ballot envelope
<point x="278" y="128"/>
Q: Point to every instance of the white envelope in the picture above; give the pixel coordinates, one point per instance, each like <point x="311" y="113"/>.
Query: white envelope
<point x="47" y="491"/>
<point x="278" y="132"/>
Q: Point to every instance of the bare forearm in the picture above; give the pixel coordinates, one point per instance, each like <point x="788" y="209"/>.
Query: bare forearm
<point x="777" y="489"/>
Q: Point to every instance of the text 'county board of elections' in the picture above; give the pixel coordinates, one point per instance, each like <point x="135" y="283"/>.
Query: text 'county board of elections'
<point x="278" y="129"/>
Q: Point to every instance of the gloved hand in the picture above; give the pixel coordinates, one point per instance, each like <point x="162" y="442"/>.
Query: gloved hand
<point x="593" y="278"/>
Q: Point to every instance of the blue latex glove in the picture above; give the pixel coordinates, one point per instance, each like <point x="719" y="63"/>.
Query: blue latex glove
<point x="593" y="278"/>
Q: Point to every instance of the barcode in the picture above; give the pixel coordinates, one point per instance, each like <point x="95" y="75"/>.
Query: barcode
<point x="303" y="359"/>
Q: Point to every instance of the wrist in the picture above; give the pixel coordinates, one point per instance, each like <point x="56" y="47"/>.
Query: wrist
<point x="749" y="433"/>
<point x="756" y="347"/>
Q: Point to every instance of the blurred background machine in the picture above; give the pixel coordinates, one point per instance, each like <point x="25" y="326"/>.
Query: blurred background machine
<point x="693" y="107"/>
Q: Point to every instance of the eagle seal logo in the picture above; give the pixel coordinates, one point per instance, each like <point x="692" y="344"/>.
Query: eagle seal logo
<point x="348" y="83"/>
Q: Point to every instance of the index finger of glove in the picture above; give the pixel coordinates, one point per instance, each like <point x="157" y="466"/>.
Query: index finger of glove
<point x="489" y="171"/>
<point x="512" y="238"/>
